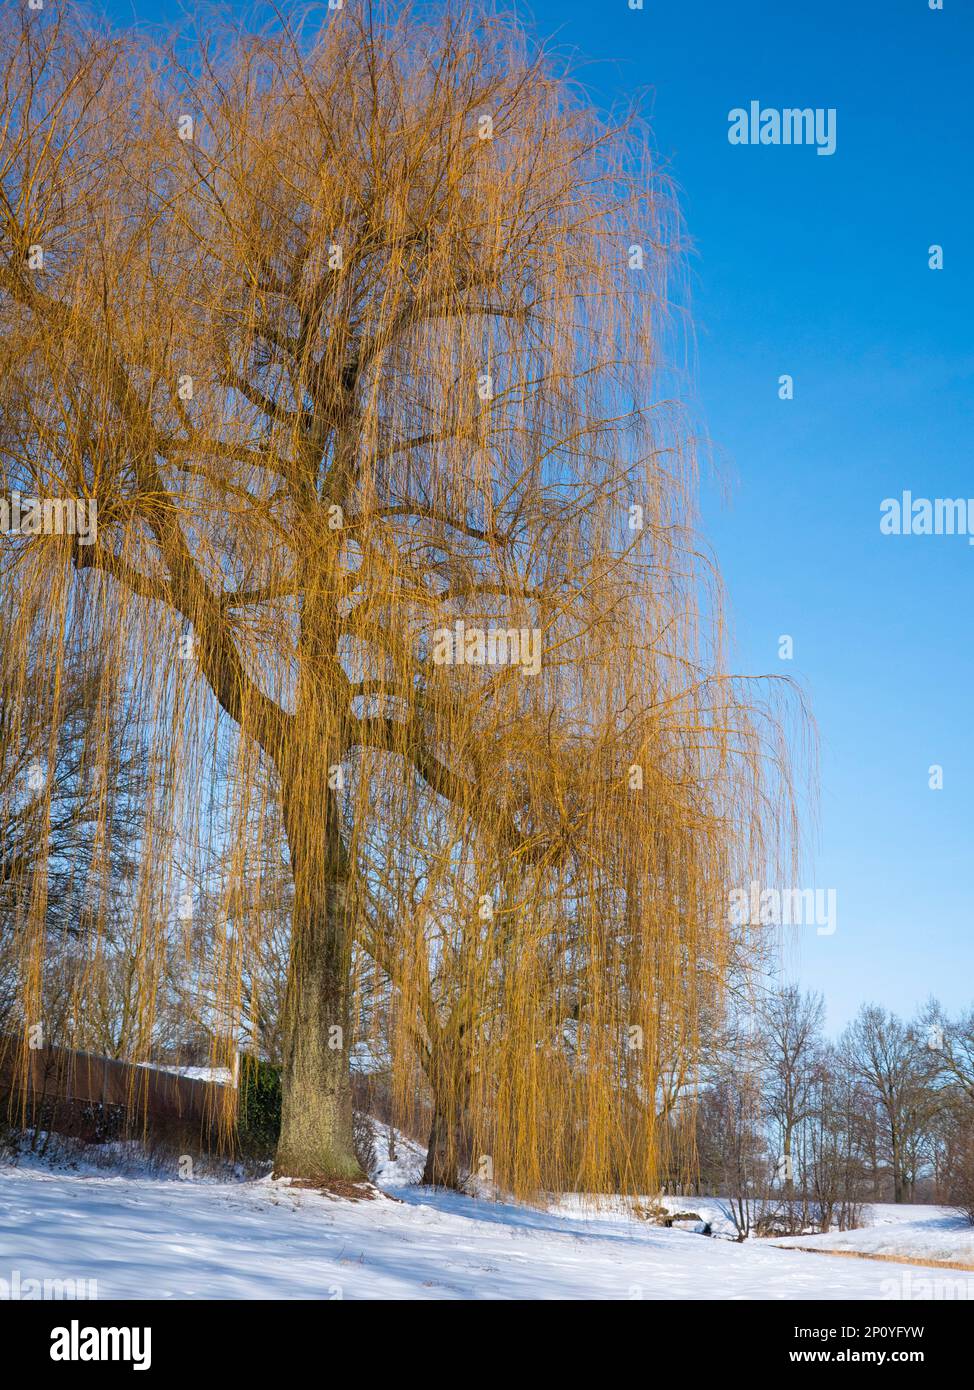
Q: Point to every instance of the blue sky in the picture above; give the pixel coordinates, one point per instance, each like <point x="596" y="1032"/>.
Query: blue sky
<point x="817" y="267"/>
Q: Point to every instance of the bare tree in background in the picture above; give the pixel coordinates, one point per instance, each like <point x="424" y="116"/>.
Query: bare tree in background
<point x="834" y="1142"/>
<point x="790" y="1037"/>
<point x="896" y="1068"/>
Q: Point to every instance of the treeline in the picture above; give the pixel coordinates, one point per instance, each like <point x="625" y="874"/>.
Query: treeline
<point x="796" y="1130"/>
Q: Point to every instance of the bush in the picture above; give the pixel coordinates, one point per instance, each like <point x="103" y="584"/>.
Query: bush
<point x="364" y="1137"/>
<point x="649" y="1209"/>
<point x="783" y="1218"/>
<point x="8" y="1142"/>
<point x="258" y="1107"/>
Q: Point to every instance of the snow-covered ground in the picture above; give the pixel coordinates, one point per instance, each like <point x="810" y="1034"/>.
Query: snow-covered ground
<point x="913" y="1232"/>
<point x="140" y="1236"/>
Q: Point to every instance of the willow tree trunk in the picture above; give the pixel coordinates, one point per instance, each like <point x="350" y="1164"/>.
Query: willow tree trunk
<point x="316" y="1140"/>
<point x="442" y="1167"/>
<point x="449" y="1132"/>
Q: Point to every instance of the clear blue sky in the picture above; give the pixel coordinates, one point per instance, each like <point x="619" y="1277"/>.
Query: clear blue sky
<point x="817" y="267"/>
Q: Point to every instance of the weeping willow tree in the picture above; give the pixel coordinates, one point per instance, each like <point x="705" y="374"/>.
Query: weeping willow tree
<point x="356" y="332"/>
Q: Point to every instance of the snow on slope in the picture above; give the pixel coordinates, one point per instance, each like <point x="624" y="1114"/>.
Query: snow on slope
<point x="913" y="1232"/>
<point x="143" y="1237"/>
<point x="406" y="1167"/>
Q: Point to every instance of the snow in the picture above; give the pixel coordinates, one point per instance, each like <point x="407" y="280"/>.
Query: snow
<point x="406" y="1167"/>
<point x="143" y="1236"/>
<point x="218" y="1076"/>
<point x="912" y="1232"/>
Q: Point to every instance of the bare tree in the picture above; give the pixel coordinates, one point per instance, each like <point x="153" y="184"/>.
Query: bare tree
<point x="790" y="1034"/>
<point x="834" y="1143"/>
<point x="896" y="1067"/>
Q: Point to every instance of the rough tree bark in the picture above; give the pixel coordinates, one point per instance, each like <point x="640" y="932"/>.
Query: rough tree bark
<point x="316" y="1141"/>
<point x="448" y="1148"/>
<point x="442" y="1167"/>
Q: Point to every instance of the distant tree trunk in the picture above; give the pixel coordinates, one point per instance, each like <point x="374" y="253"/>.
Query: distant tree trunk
<point x="789" y="1175"/>
<point x="896" y="1161"/>
<point x="899" y="1191"/>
